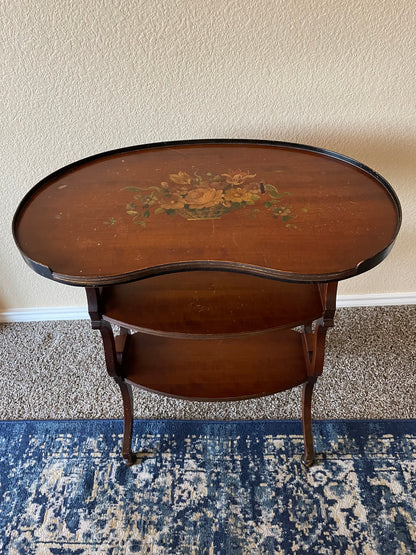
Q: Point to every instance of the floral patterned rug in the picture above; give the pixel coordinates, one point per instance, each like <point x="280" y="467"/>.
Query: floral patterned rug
<point x="203" y="487"/>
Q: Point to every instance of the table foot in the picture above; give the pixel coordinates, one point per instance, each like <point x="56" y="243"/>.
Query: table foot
<point x="130" y="459"/>
<point x="308" y="463"/>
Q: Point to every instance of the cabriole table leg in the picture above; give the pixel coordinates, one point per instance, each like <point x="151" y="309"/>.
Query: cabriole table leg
<point x="309" y="456"/>
<point x="127" y="394"/>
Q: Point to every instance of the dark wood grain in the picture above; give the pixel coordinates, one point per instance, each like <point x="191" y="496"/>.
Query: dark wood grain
<point x="329" y="219"/>
<point x="209" y="369"/>
<point x="176" y="241"/>
<point x="210" y="303"/>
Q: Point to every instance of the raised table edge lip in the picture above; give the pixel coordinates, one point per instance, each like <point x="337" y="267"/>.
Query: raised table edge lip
<point x="207" y="265"/>
<point x="97" y="281"/>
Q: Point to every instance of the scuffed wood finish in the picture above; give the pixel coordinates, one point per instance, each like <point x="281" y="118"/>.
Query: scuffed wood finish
<point x="210" y="303"/>
<point x="276" y="209"/>
<point x="222" y="256"/>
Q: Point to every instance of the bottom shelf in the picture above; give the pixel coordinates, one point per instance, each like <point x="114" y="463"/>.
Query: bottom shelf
<point x="215" y="369"/>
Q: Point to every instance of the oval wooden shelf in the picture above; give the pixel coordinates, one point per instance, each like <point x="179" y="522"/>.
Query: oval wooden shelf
<point x="215" y="369"/>
<point x="210" y="303"/>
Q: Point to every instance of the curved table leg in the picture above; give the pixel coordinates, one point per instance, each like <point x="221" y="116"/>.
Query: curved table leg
<point x="309" y="456"/>
<point x="127" y="395"/>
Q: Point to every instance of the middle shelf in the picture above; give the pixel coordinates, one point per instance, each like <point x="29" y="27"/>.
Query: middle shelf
<point x="210" y="303"/>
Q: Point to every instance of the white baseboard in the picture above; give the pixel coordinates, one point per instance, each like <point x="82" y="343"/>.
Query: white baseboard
<point x="39" y="314"/>
<point x="376" y="299"/>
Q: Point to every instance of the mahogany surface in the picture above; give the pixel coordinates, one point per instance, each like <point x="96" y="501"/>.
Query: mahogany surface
<point x="290" y="211"/>
<point x="211" y="251"/>
<point x="215" y="369"/>
<point x="210" y="303"/>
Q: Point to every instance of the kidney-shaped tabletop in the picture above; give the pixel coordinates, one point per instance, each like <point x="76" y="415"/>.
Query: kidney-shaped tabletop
<point x="272" y="209"/>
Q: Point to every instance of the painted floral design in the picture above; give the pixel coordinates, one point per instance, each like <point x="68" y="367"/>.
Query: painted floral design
<point x="207" y="196"/>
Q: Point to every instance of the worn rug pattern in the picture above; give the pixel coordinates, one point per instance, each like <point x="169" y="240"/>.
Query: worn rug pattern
<point x="203" y="487"/>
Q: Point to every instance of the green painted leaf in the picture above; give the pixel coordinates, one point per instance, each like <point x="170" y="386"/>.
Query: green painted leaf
<point x="271" y="189"/>
<point x="273" y="192"/>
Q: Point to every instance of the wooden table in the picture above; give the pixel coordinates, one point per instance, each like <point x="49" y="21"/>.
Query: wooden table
<point x="211" y="252"/>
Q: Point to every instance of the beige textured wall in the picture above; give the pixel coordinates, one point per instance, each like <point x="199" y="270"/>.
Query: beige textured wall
<point x="82" y="76"/>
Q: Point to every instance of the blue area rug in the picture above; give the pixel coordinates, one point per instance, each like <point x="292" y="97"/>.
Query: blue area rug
<point x="207" y="488"/>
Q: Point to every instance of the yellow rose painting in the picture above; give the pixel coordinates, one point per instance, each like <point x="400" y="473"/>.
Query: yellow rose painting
<point x="208" y="196"/>
<point x="203" y="197"/>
